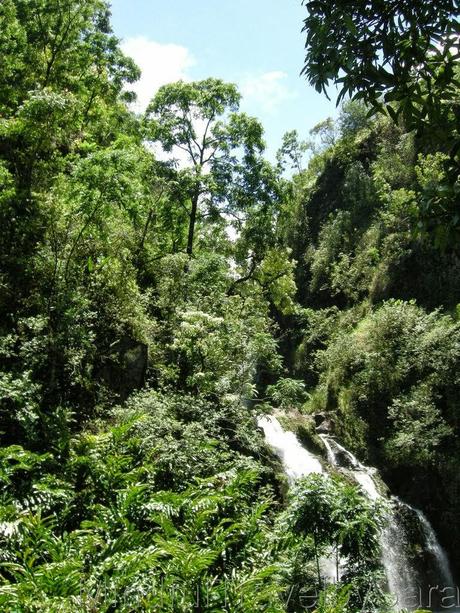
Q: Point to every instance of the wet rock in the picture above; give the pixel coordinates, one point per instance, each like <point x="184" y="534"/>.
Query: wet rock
<point x="327" y="426"/>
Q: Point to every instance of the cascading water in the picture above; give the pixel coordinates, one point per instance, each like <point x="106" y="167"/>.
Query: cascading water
<point x="297" y="461"/>
<point x="433" y="546"/>
<point x="401" y="576"/>
<point x="341" y="457"/>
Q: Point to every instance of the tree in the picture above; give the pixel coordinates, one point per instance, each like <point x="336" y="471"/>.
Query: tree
<point x="62" y="79"/>
<point x="224" y="181"/>
<point x="291" y="152"/>
<point x="353" y="118"/>
<point x="341" y="521"/>
<point x="400" y="58"/>
<point x="326" y="132"/>
<point x="65" y="45"/>
<point x="402" y="51"/>
<point x="222" y="146"/>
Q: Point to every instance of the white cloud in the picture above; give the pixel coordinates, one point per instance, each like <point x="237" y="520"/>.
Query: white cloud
<point x="159" y="63"/>
<point x="267" y="91"/>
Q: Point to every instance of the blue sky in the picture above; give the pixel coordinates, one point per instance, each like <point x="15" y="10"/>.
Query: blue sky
<point x="256" y="44"/>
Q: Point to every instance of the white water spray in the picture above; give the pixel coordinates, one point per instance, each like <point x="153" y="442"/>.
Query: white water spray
<point x="401" y="576"/>
<point x="297" y="461"/>
<point x="433" y="546"/>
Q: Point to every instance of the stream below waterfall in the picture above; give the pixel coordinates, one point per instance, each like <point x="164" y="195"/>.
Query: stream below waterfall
<point x="418" y="574"/>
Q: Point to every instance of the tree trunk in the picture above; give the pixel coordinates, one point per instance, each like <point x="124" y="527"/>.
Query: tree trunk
<point x="318" y="568"/>
<point x="192" y="222"/>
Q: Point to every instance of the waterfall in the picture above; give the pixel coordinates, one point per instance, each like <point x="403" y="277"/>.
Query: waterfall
<point x="401" y="577"/>
<point x="433" y="547"/>
<point x="341" y="457"/>
<point x="297" y="461"/>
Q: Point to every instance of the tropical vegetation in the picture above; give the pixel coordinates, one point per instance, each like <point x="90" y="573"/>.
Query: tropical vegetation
<point x="153" y="306"/>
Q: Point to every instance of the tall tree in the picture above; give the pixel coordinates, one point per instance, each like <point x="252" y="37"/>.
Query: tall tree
<point x="62" y="77"/>
<point x="222" y="147"/>
<point x="64" y="45"/>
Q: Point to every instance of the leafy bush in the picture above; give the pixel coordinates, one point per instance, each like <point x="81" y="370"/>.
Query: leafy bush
<point x="391" y="379"/>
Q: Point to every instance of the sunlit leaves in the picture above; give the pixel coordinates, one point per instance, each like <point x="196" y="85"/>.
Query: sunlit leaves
<point x="403" y="62"/>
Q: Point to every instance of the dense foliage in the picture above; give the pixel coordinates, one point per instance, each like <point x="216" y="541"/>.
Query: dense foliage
<point x="402" y="60"/>
<point x="380" y="345"/>
<point x="161" y="284"/>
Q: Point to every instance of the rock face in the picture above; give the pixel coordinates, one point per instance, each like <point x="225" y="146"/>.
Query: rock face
<point x="324" y="424"/>
<point x="124" y="371"/>
<point x="319" y="418"/>
<point x="436" y="491"/>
